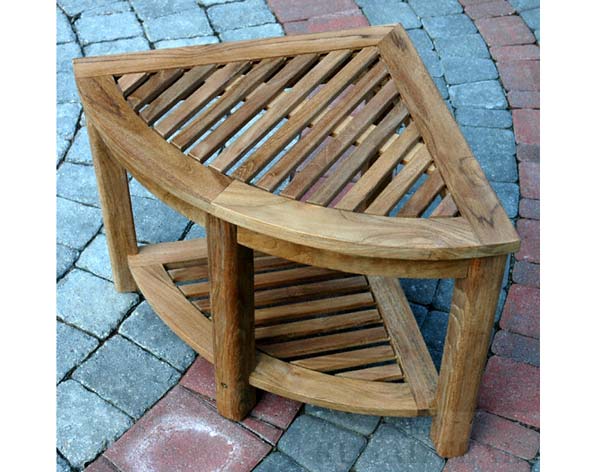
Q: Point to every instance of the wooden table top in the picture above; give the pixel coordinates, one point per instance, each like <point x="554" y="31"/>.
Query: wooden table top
<point x="337" y="143"/>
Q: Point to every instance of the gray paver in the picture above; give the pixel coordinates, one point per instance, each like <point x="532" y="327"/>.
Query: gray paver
<point x="536" y="466"/>
<point x="446" y="26"/>
<point x="76" y="224"/>
<point x="508" y="194"/>
<point x="126" y="376"/>
<point x="432" y="63"/>
<point x="117" y="47"/>
<point x="425" y="8"/>
<point x="498" y="166"/>
<point x="195" y="232"/>
<point x="80" y="152"/>
<point x="391" y="450"/>
<point x="236" y="15"/>
<point x="442" y="86"/>
<point x="157" y="8"/>
<point x="65" y="53"/>
<point x="77" y="182"/>
<point x="490" y="140"/>
<point x="62" y="465"/>
<point x="65" y="257"/>
<point x="420" y="39"/>
<point x="66" y="90"/>
<point x="420" y="312"/>
<point x="434" y="330"/>
<point x="64" y="32"/>
<point x="532" y="18"/>
<point x="74" y="7"/>
<point x="468" y="45"/>
<point x="459" y="70"/>
<point x="488" y="94"/>
<point x="178" y="43"/>
<point x="320" y="446"/>
<point x="186" y="24"/>
<point x="278" y="462"/>
<point x="61" y="148"/>
<point x="145" y="328"/>
<point x="155" y="222"/>
<point x="85" y="423"/>
<point x="521" y="5"/>
<point x="537" y="35"/>
<point x="72" y="347"/>
<point x="91" y="303"/>
<point x="384" y="12"/>
<point x="417" y="427"/>
<point x="419" y="291"/>
<point x="108" y="9"/>
<point x="363" y="424"/>
<point x="67" y="115"/>
<point x="208" y="3"/>
<point x="481" y="117"/>
<point x="95" y="259"/>
<point x="253" y="32"/>
<point x="443" y="295"/>
<point x="93" y="29"/>
<point x="137" y="189"/>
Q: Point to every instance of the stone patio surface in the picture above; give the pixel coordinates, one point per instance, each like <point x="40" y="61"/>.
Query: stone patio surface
<point x="132" y="397"/>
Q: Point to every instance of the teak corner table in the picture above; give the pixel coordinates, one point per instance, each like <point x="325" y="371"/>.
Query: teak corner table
<point x="324" y="167"/>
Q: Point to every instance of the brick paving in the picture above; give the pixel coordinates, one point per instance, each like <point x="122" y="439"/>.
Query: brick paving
<point x="118" y="366"/>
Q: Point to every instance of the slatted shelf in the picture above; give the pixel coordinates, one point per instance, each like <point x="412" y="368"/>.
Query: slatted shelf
<point x="347" y="135"/>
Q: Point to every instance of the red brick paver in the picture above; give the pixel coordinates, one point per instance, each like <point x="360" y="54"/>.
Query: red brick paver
<point x="504" y="31"/>
<point x="481" y="458"/>
<point x="527" y="126"/>
<point x="526" y="273"/>
<point x="521" y="312"/>
<point x="506" y="435"/>
<point x="517" y="347"/>
<point x="183" y="432"/>
<point x="528" y="152"/>
<point x="524" y="99"/>
<point x="271" y="408"/>
<point x="529" y="209"/>
<point x="511" y="389"/>
<point x="102" y="464"/>
<point x="529" y="230"/>
<point x="529" y="176"/>
<point x="293" y="10"/>
<point x="520" y="75"/>
<point x="525" y="52"/>
<point x="489" y="9"/>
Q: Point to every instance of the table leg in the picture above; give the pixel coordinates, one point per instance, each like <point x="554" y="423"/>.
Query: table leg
<point x="117" y="215"/>
<point x="465" y="352"/>
<point x="231" y="272"/>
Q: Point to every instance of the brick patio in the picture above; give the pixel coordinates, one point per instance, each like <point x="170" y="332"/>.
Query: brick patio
<point x="133" y="397"/>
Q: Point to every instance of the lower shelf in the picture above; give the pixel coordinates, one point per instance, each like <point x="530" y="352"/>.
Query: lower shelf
<point x="324" y="337"/>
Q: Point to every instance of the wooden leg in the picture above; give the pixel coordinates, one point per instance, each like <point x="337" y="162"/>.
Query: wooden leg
<point x="115" y="200"/>
<point x="467" y="342"/>
<point x="231" y="272"/>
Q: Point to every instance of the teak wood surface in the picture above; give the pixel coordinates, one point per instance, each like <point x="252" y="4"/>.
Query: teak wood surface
<point x="324" y="166"/>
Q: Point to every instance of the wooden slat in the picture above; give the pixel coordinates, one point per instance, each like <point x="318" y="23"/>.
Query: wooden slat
<point x="348" y="359"/>
<point x="213" y="86"/>
<point x="330" y="342"/>
<point x="178" y="91"/>
<point x="299" y="121"/>
<point x="359" y="157"/>
<point x="153" y="87"/>
<point x="280" y="108"/>
<point x="301" y="292"/>
<point x="379" y="170"/>
<point x="253" y="105"/>
<point x="317" y="325"/>
<point x="446" y="208"/>
<point x="268" y="279"/>
<point x="327" y="125"/>
<point x="380" y="373"/>
<point x="374" y="108"/>
<point x="315" y="307"/>
<point x="423" y="196"/>
<point x="406" y="339"/>
<point x="402" y="183"/>
<point x="232" y="96"/>
<point x="128" y="83"/>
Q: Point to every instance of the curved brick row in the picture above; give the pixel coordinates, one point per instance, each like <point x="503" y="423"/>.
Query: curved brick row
<point x="103" y="342"/>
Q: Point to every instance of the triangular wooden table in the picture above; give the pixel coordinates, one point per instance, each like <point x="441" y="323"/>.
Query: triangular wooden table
<point x="324" y="167"/>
